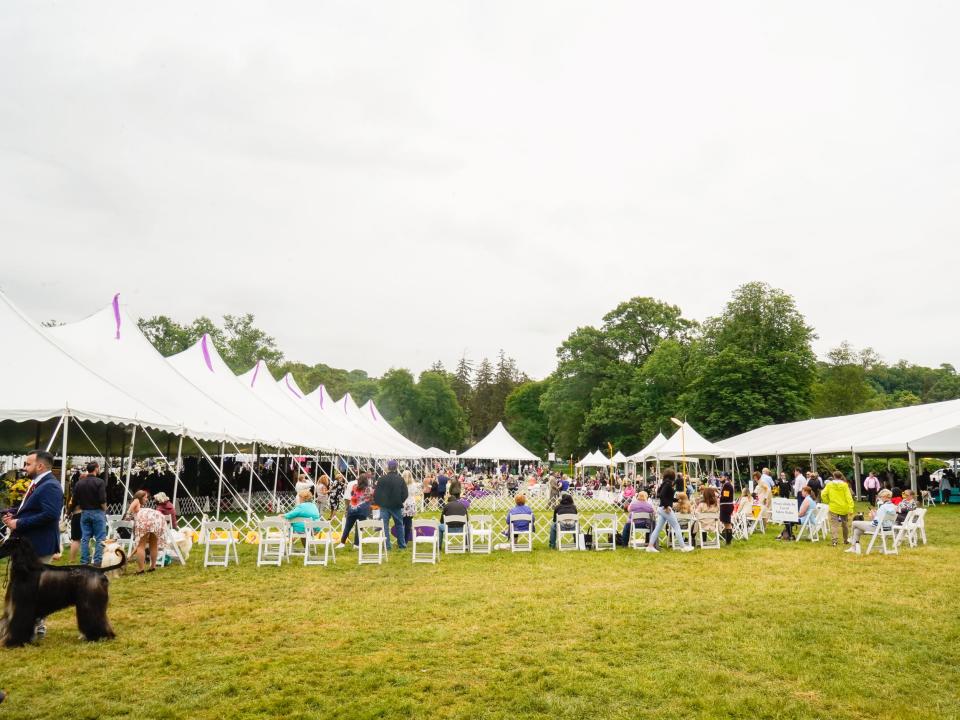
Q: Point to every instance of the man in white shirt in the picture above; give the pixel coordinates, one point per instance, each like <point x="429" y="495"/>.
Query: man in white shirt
<point x="799" y="483"/>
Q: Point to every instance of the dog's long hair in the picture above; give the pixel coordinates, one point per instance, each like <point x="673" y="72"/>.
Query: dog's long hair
<point x="35" y="590"/>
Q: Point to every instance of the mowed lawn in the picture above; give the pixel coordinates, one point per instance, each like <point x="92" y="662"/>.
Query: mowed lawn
<point x="758" y="630"/>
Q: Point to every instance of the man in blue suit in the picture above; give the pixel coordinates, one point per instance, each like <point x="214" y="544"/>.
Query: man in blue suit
<point x="38" y="517"/>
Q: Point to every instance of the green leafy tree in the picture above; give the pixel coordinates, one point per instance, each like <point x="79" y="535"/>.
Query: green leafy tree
<point x="525" y="419"/>
<point x="462" y="382"/>
<point x="397" y="400"/>
<point x="482" y="413"/>
<point x="584" y="361"/>
<point x="842" y="388"/>
<point x="658" y="387"/>
<point x="754" y="365"/>
<point x="440" y="421"/>
<point x="170" y="337"/>
<point x="244" y="343"/>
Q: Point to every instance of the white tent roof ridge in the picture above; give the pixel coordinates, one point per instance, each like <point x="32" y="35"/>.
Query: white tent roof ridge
<point x="932" y="428"/>
<point x="688" y="443"/>
<point x="499" y="444"/>
<point x="110" y="341"/>
<point x="650" y="448"/>
<point x="69" y="385"/>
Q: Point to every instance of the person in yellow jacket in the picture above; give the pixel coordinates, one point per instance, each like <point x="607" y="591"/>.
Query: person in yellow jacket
<point x="838" y="496"/>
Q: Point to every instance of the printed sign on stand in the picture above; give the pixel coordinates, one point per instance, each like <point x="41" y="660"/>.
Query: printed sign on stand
<point x="784" y="510"/>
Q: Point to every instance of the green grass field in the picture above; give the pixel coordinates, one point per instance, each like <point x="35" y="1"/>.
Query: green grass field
<point x="759" y="630"/>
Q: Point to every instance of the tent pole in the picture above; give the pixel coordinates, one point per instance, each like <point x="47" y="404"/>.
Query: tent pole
<point x="63" y="462"/>
<point x="912" y="458"/>
<point x="177" y="470"/>
<point x="126" y="487"/>
<point x="53" y="437"/>
<point x="250" y="484"/>
<point x="220" y="481"/>
<point x="856" y="474"/>
<point x="276" y="475"/>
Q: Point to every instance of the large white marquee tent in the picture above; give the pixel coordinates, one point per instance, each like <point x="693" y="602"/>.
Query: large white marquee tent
<point x="499" y="445"/>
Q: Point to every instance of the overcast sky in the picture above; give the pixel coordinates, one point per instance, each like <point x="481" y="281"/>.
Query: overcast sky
<point x="387" y="184"/>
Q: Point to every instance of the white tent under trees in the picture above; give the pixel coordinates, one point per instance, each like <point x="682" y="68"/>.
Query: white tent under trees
<point x="931" y="430"/>
<point x="651" y="448"/>
<point x="687" y="443"/>
<point x="499" y="445"/>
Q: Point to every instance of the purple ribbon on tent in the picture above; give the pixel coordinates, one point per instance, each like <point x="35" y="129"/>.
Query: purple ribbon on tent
<point x="256" y="371"/>
<point x="322" y="393"/>
<point x="286" y="379"/>
<point x="116" y="313"/>
<point x="372" y="413"/>
<point x="206" y="352"/>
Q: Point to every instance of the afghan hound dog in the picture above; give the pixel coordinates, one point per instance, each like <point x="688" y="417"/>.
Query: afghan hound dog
<point x="35" y="590"/>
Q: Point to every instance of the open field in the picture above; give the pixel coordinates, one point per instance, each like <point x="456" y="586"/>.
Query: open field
<point x="762" y="629"/>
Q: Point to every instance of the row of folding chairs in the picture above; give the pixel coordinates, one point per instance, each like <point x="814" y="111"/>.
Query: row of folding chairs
<point x="912" y="530"/>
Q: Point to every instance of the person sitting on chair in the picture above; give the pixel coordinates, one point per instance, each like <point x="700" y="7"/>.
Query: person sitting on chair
<point x="708" y="504"/>
<point x="907" y="503"/>
<point x="564" y="507"/>
<point x="804" y="513"/>
<point x="455" y="515"/>
<point x="165" y="507"/>
<point x="885" y="513"/>
<point x="520" y="508"/>
<point x="305" y="508"/>
<point x="639" y="504"/>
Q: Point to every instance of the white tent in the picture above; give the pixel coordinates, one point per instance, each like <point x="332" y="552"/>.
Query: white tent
<point x="41" y="380"/>
<point x="203" y="366"/>
<point x="619" y="458"/>
<point x="436" y="453"/>
<point x="361" y="438"/>
<point x="687" y="443"/>
<point x="499" y="445"/>
<point x="651" y="448"/>
<point x="594" y="459"/>
<point x="110" y="343"/>
<point x="931" y="429"/>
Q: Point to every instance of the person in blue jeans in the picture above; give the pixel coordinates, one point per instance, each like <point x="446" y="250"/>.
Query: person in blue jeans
<point x="90" y="495"/>
<point x="359" y="509"/>
<point x="665" y="513"/>
<point x="389" y="496"/>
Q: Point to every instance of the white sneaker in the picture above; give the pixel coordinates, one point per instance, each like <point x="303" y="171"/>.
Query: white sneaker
<point x="852" y="549"/>
<point x="651" y="548"/>
<point x="340" y="546"/>
<point x="687" y="548"/>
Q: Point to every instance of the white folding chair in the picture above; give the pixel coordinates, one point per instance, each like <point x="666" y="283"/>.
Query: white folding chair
<point x="603" y="526"/>
<point x="641" y="525"/>
<point x="883" y="530"/>
<point x="319" y="543"/>
<point x="685" y="520"/>
<point x="521" y="540"/>
<point x="170" y="541"/>
<point x="125" y="543"/>
<point x="429" y="540"/>
<point x="741" y="521"/>
<point x="920" y="521"/>
<point x="294" y="548"/>
<point x="568" y="532"/>
<point x="219" y="534"/>
<point x="758" y="521"/>
<point x="926" y="497"/>
<point x="271" y="542"/>
<point x="372" y="549"/>
<point x="480" y="534"/>
<point x="816" y="525"/>
<point x="455" y="539"/>
<point x="708" y="530"/>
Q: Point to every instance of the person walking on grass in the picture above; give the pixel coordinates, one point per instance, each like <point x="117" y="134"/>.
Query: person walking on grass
<point x="389" y="497"/>
<point x="665" y="513"/>
<point x="837" y="495"/>
<point x="726" y="507"/>
<point x="872" y="486"/>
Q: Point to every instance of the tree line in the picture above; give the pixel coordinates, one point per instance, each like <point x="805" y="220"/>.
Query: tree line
<point x="753" y="364"/>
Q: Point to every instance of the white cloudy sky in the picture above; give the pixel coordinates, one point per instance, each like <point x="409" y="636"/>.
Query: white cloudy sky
<point x="395" y="182"/>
